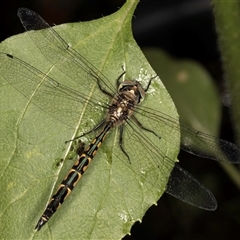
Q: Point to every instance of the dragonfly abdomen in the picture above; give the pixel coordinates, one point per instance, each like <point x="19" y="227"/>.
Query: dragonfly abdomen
<point x="73" y="177"/>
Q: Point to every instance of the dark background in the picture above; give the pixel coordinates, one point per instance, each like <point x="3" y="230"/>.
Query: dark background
<point x="185" y="29"/>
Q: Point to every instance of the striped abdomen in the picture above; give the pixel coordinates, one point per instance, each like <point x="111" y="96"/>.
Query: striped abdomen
<point x="73" y="177"/>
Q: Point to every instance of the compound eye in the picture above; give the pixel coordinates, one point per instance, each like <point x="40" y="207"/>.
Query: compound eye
<point x="126" y="84"/>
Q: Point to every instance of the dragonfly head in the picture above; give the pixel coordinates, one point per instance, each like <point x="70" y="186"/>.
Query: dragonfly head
<point x="133" y="86"/>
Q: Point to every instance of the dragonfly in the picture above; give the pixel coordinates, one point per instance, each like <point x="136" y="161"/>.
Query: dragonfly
<point x="122" y="113"/>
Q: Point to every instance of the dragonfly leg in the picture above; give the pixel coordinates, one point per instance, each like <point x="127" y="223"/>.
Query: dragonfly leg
<point x="99" y="125"/>
<point x="120" y="76"/>
<point x="121" y="142"/>
<point x="149" y="83"/>
<point x="104" y="90"/>
<point x="144" y="128"/>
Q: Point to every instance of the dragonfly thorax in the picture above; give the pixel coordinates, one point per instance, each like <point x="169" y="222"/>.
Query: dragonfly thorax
<point x="129" y="95"/>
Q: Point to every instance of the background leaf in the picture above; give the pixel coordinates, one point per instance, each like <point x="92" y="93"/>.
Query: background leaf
<point x="191" y="88"/>
<point x="227" y="16"/>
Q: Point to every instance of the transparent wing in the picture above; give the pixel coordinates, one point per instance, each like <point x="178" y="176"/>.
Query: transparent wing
<point x="60" y="54"/>
<point x="57" y="100"/>
<point x="192" y="141"/>
<point x="184" y="186"/>
<point x="150" y="161"/>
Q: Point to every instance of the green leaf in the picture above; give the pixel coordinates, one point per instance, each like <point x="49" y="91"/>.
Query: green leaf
<point x="227" y="17"/>
<point x="112" y="194"/>
<point x="191" y="88"/>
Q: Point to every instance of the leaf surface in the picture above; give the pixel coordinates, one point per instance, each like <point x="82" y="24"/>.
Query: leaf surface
<point x="112" y="194"/>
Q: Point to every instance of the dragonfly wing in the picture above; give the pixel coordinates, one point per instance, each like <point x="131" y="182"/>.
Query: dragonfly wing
<point x="149" y="157"/>
<point x="57" y="100"/>
<point x="61" y="54"/>
<point x="207" y="146"/>
<point x="183" y="186"/>
<point x="156" y="157"/>
<point x="192" y="141"/>
<point x="30" y="21"/>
